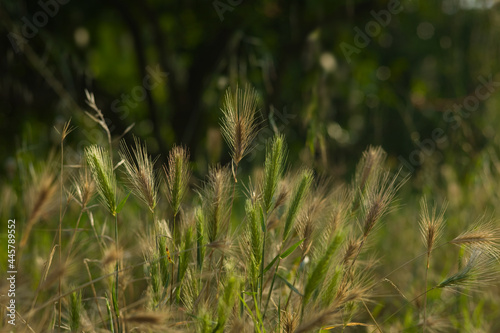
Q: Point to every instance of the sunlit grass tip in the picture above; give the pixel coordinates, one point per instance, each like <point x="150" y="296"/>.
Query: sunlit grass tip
<point x="177" y="174"/>
<point x="431" y="224"/>
<point x="141" y="174"/>
<point x="302" y="187"/>
<point x="239" y="120"/>
<point x="274" y="167"/>
<point x="483" y="234"/>
<point x="216" y="197"/>
<point x="101" y="167"/>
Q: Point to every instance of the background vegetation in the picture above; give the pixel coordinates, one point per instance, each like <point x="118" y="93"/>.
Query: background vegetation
<point x="160" y="70"/>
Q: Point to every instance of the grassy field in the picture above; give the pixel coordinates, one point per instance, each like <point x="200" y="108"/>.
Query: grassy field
<point x="121" y="243"/>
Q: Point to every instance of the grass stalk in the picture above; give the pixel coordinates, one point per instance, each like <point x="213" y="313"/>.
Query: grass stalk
<point x="116" y="301"/>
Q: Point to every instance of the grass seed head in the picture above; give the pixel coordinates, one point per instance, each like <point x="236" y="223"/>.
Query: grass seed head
<point x="101" y="167"/>
<point x="377" y="200"/>
<point x="298" y="196"/>
<point x="84" y="185"/>
<point x="431" y="224"/>
<point x="177" y="174"/>
<point x="369" y="167"/>
<point x="239" y="120"/>
<point x="273" y="170"/>
<point x="141" y="175"/>
<point x="483" y="234"/>
<point x="479" y="270"/>
<point x="216" y="196"/>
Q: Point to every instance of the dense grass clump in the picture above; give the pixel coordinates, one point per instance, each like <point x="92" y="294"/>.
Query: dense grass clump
<point x="298" y="253"/>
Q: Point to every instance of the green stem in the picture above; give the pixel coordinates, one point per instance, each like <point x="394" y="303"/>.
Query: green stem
<point x="117" y="268"/>
<point x="232" y="197"/>
<point x="262" y="264"/>
<point x="274" y="279"/>
<point x="425" y="296"/>
<point x="173" y="261"/>
<point x="60" y="227"/>
<point x="271" y="288"/>
<point x="74" y="233"/>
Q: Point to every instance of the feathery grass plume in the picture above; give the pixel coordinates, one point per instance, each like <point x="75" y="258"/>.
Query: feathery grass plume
<point x="83" y="191"/>
<point x="141" y="175"/>
<point x="177" y="175"/>
<point x="255" y="239"/>
<point x="164" y="260"/>
<point x="317" y="275"/>
<point x="200" y="238"/>
<point x="342" y="200"/>
<point x="216" y="197"/>
<point x="226" y="303"/>
<point x="40" y="198"/>
<point x="301" y="190"/>
<point x="369" y="167"/>
<point x="317" y="319"/>
<point x="351" y="247"/>
<point x="273" y="169"/>
<point x="283" y="192"/>
<point x="239" y="120"/>
<point x="479" y="270"/>
<point x="431" y="224"/>
<point x="164" y="248"/>
<point x="190" y="290"/>
<point x="111" y="256"/>
<point x="289" y="322"/>
<point x="155" y="279"/>
<point x="313" y="217"/>
<point x="376" y="201"/>
<point x="184" y="258"/>
<point x="331" y="284"/>
<point x="483" y="235"/>
<point x="83" y="186"/>
<point x="205" y="321"/>
<point x="101" y="167"/>
<point x="431" y="227"/>
<point x="75" y="310"/>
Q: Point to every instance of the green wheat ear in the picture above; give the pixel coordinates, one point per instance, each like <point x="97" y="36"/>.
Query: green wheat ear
<point x="239" y="121"/>
<point x="478" y="270"/>
<point x="255" y="238"/>
<point x="273" y="169"/>
<point x="142" y="177"/>
<point x="101" y="167"/>
<point x="216" y="198"/>
<point x="75" y="310"/>
<point x="298" y="196"/>
<point x="177" y="175"/>
<point x="319" y="273"/>
<point x="226" y="303"/>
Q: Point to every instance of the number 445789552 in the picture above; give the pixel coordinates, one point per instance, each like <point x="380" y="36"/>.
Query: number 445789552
<point x="11" y="248"/>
